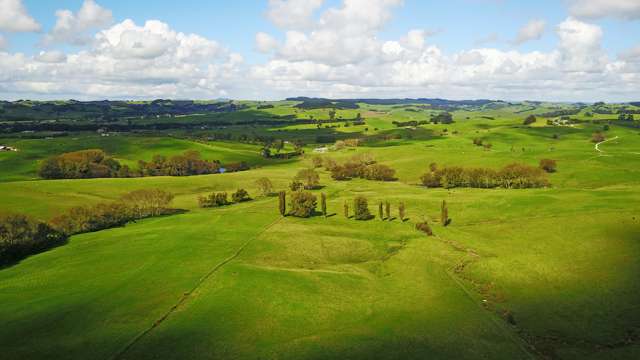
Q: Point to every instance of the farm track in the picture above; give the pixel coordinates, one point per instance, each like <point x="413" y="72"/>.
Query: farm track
<point x="183" y="299"/>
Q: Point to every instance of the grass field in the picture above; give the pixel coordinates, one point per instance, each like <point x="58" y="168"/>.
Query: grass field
<point x="519" y="274"/>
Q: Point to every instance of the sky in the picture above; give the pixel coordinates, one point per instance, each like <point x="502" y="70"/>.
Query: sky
<point x="550" y="50"/>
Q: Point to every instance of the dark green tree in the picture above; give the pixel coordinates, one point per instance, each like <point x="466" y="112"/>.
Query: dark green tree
<point x="323" y="204"/>
<point x="387" y="210"/>
<point x="380" y="212"/>
<point x="361" y="208"/>
<point x="282" y="205"/>
<point x="444" y="213"/>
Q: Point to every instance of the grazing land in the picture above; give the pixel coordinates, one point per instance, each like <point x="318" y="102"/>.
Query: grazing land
<point x="515" y="273"/>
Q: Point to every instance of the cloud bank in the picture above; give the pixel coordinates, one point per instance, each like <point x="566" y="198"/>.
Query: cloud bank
<point x="316" y="50"/>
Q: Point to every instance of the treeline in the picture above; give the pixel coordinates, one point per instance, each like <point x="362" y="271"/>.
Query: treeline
<point x="133" y="206"/>
<point x="513" y="176"/>
<point x="108" y="110"/>
<point x="442" y="118"/>
<point x="21" y="236"/>
<point x="96" y="163"/>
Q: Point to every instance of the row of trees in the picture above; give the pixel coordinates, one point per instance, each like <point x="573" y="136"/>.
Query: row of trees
<point x="96" y="163"/>
<point x="133" y="206"/>
<point x="21" y="236"/>
<point x="513" y="176"/>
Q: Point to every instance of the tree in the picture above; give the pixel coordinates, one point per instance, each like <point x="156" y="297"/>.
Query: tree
<point x="444" y="213"/>
<point x="387" y="210"/>
<point x="346" y="209"/>
<point x="316" y="161"/>
<point x="597" y="137"/>
<point x="303" y="204"/>
<point x="282" y="205"/>
<point x="380" y="211"/>
<point x="401" y="211"/>
<point x="548" y="165"/>
<point x="530" y="120"/>
<point x="148" y="202"/>
<point x="295" y="185"/>
<point x="265" y="186"/>
<point x="240" y="196"/>
<point x="309" y="178"/>
<point x="323" y="204"/>
<point x="361" y="208"/>
<point x="332" y="115"/>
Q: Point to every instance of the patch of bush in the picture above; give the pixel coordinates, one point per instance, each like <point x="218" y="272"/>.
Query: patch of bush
<point x="80" y="165"/>
<point x="424" y="227"/>
<point x="241" y="195"/>
<point x="513" y="176"/>
<point x="213" y="200"/>
<point x="362" y="166"/>
<point x="309" y="178"/>
<point x="548" y="165"/>
<point x="529" y="120"/>
<point x="265" y="186"/>
<point x="303" y="204"/>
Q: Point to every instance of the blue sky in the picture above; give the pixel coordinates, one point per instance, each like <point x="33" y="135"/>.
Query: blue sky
<point x="293" y="59"/>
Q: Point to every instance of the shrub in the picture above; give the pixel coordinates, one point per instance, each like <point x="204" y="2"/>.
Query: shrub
<point x="424" y="227"/>
<point x="548" y="165"/>
<point x="316" y="161"/>
<point x="379" y="172"/>
<point x="361" y="208"/>
<point x="296" y="185"/>
<point x="309" y="178"/>
<point x="213" y="200"/>
<point x="303" y="204"/>
<point x="265" y="186"/>
<point x="21" y="236"/>
<point x="240" y="196"/>
<point x="529" y="120"/>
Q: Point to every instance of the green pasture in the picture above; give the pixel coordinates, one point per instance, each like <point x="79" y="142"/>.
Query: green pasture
<point x="518" y="274"/>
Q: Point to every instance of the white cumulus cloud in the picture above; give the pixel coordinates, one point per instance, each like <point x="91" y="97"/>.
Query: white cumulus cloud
<point x="72" y="28"/>
<point x="15" y="18"/>
<point x="595" y="9"/>
<point x="533" y="30"/>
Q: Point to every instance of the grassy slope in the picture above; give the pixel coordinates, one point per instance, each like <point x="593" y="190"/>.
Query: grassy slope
<point x="562" y="260"/>
<point x="23" y="165"/>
